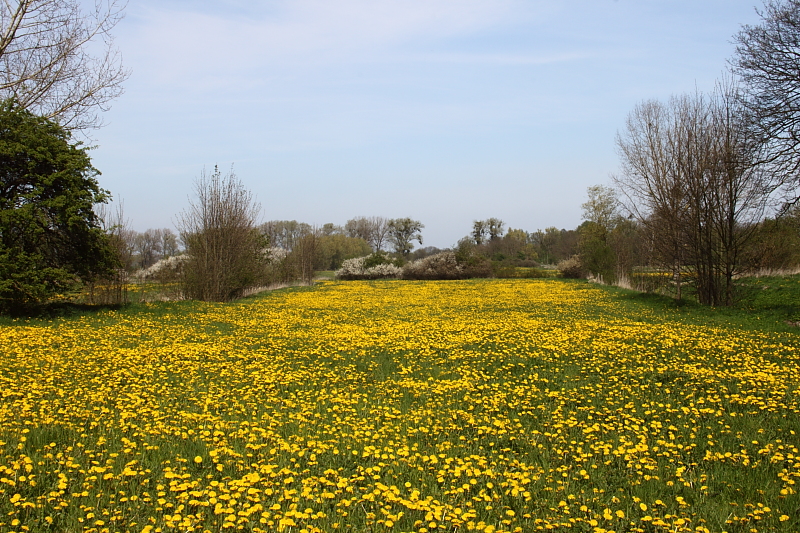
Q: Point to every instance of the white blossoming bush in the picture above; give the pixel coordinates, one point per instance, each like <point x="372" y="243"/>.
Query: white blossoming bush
<point x="571" y="268"/>
<point x="163" y="269"/>
<point x="384" y="271"/>
<point x="275" y="254"/>
<point x="356" y="269"/>
<point x="439" y="266"/>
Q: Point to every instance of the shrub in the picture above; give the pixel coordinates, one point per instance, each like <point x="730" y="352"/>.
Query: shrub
<point x="367" y="268"/>
<point x="439" y="266"/>
<point x="571" y="268"/>
<point x="224" y="247"/>
<point x="167" y="270"/>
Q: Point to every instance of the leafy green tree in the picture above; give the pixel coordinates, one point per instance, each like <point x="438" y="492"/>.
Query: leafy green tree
<point x="479" y="231"/>
<point x="335" y="248"/>
<point x="50" y="236"/>
<point x="402" y="231"/>
<point x="596" y="256"/>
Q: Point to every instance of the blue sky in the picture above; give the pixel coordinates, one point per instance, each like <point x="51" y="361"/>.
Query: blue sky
<point x="446" y="111"/>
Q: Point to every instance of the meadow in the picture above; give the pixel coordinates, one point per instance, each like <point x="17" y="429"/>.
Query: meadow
<point x="482" y="405"/>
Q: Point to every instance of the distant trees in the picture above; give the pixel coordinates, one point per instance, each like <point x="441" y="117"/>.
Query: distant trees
<point x="58" y="61"/>
<point x="402" y="232"/>
<point x="335" y="248"/>
<point x="374" y="230"/>
<point x="50" y="237"/>
<point x="284" y="233"/>
<point x="153" y="245"/>
<point x="491" y="229"/>
<point x="553" y="245"/>
<point x="225" y="249"/>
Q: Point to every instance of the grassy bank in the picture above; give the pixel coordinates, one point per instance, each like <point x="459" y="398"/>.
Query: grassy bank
<point x="488" y="405"/>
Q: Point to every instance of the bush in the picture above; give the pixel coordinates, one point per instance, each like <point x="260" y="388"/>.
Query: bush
<point x="571" y="268"/>
<point x="167" y="270"/>
<point x="440" y="266"/>
<point x="224" y="248"/>
<point x="369" y="267"/>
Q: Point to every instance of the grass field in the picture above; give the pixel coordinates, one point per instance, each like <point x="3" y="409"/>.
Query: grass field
<point x="482" y="405"/>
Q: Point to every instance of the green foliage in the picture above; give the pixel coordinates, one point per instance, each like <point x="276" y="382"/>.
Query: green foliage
<point x="775" y="244"/>
<point x="775" y="296"/>
<point x="402" y="231"/>
<point x="335" y="248"/>
<point x="50" y="237"/>
<point x="596" y="255"/>
<point x="379" y="258"/>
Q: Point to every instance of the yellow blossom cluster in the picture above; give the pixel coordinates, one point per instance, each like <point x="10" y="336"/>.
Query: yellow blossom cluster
<point x="481" y="405"/>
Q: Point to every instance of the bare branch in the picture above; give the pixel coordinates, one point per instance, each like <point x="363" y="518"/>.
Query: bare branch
<point x="45" y="63"/>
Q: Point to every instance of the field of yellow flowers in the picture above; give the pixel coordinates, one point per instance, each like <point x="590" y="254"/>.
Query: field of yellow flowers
<point x="482" y="405"/>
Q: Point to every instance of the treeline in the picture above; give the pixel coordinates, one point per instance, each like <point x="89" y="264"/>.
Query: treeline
<point x="616" y="247"/>
<point x="707" y="191"/>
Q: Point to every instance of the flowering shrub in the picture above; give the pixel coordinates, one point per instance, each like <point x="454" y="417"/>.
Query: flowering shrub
<point x="571" y="268"/>
<point x="438" y="266"/>
<point x="358" y="268"/>
<point x="168" y="269"/>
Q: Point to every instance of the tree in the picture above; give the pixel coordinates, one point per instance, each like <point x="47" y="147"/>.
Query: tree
<point x="596" y="256"/>
<point x="226" y="251"/>
<point x="168" y="242"/>
<point x="46" y="59"/>
<point x="284" y="233"/>
<point x="336" y="247"/>
<point x="691" y="173"/>
<point x="768" y="61"/>
<point x="600" y="215"/>
<point x="654" y="187"/>
<point x="374" y="230"/>
<point x="402" y="231"/>
<point x="50" y="236"/>
<point x="494" y="227"/>
<point x="601" y="206"/>
<point x="148" y="247"/>
<point x="479" y="231"/>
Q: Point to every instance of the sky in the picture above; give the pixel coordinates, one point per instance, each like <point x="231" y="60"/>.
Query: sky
<point x="445" y="111"/>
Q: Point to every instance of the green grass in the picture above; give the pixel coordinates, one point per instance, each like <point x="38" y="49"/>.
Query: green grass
<point x="552" y="401"/>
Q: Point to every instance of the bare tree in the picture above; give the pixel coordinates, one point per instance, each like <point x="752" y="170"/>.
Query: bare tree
<point x="121" y="236"/>
<point x="374" y="230"/>
<point x="284" y="233"/>
<point x="768" y="61"/>
<point x="306" y="251"/>
<point x="168" y="243"/>
<point x="114" y="289"/>
<point x="46" y="63"/>
<point x="691" y="174"/>
<point x="225" y="249"/>
<point x="654" y="189"/>
<point x="148" y="247"/>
